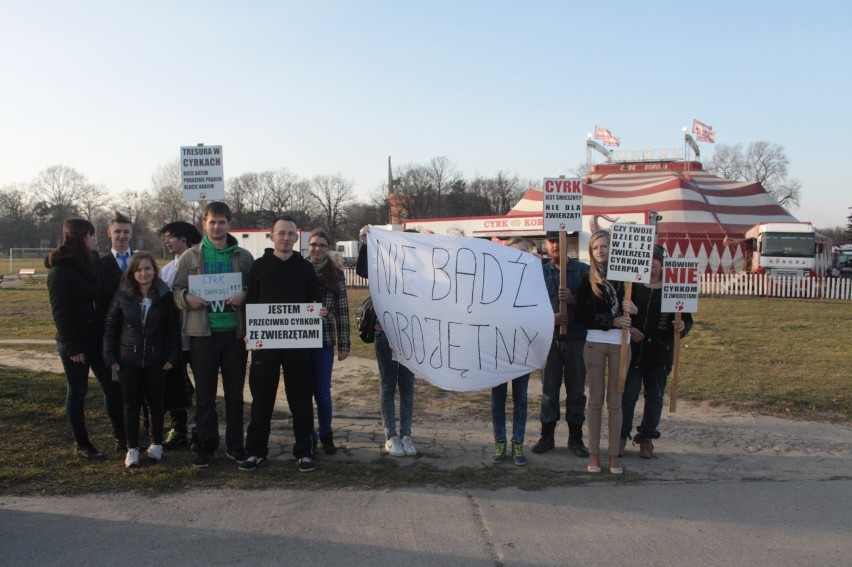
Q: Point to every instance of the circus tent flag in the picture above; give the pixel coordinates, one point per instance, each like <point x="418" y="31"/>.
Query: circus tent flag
<point x="602" y="133"/>
<point x="703" y="132"/>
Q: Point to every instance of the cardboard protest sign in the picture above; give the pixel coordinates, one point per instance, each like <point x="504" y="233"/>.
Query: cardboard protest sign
<point x="680" y="285"/>
<point x="631" y="250"/>
<point x="463" y="313"/>
<point x="215" y="287"/>
<point x="680" y="295"/>
<point x="563" y="204"/>
<point x="283" y="325"/>
<point x="201" y="172"/>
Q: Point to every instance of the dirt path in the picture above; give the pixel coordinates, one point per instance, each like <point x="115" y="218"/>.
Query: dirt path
<point x="453" y="430"/>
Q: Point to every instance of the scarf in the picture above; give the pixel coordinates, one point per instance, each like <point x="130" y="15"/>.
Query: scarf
<point x="318" y="266"/>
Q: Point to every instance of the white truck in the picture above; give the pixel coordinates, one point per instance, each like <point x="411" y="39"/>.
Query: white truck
<point x="792" y="249"/>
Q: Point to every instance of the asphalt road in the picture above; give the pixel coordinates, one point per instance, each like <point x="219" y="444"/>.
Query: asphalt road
<point x="711" y="523"/>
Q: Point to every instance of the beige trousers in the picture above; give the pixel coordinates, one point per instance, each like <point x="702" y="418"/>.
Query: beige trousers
<point x="602" y="376"/>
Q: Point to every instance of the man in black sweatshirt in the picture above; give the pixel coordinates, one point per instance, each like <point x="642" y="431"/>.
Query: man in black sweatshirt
<point x="281" y="275"/>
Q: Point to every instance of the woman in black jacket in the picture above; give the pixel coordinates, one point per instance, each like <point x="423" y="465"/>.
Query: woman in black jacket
<point x="600" y="307"/>
<point x="141" y="342"/>
<point x="74" y="287"/>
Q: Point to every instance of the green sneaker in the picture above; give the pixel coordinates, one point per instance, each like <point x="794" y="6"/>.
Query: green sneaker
<point x="174" y="439"/>
<point x="499" y="453"/>
<point x="518" y="453"/>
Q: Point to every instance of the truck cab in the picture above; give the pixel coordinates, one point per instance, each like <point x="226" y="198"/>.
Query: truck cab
<point x="792" y="249"/>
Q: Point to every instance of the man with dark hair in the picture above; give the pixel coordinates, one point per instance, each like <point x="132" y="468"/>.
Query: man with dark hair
<point x="178" y="237"/>
<point x="565" y="358"/>
<point x="216" y="330"/>
<point x="282" y="275"/>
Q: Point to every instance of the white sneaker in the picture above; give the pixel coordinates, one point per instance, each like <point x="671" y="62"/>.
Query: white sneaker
<point x="408" y="446"/>
<point x="394" y="447"/>
<point x="132" y="458"/>
<point x="155" y="453"/>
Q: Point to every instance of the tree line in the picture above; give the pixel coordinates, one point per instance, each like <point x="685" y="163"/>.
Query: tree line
<point x="31" y="214"/>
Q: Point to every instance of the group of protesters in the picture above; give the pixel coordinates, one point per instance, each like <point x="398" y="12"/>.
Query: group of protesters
<point x="139" y="329"/>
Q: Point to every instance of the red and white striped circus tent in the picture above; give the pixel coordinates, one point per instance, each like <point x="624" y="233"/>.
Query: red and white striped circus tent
<point x="704" y="216"/>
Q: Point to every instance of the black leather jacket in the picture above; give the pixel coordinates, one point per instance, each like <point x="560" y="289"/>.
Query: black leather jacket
<point x="128" y="342"/>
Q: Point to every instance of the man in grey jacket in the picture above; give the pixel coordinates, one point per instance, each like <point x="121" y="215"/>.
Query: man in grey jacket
<point x="216" y="330"/>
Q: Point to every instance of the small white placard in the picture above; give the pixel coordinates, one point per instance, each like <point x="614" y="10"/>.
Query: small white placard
<point x="215" y="287"/>
<point x="283" y="325"/>
<point x="563" y="204"/>
<point x="631" y="249"/>
<point x="680" y="285"/>
<point x="201" y="173"/>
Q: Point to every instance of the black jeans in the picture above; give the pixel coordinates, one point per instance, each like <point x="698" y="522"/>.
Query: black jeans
<point x="210" y="354"/>
<point x="138" y="384"/>
<point x="77" y="379"/>
<point x="565" y="364"/>
<point x="264" y="376"/>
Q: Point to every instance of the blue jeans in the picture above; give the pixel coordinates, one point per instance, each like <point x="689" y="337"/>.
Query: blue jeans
<point x="564" y="364"/>
<point x="323" y="364"/>
<point x="519" y="409"/>
<point x="393" y="375"/>
<point x="77" y="380"/>
<point x="654" y="382"/>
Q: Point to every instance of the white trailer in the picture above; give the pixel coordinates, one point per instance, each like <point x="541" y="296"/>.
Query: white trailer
<point x="256" y="240"/>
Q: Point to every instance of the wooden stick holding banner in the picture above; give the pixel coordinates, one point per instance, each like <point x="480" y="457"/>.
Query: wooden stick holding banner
<point x="680" y="295"/>
<point x="624" y="360"/>
<point x="673" y="395"/>
<point x="563" y="211"/>
<point x="631" y="250"/>
<point x="563" y="276"/>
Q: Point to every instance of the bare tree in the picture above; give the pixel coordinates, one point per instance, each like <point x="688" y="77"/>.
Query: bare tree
<point x="167" y="204"/>
<point x="762" y="162"/>
<point x="92" y="201"/>
<point x="502" y="191"/>
<point x="60" y="188"/>
<point x="332" y="193"/>
<point x="17" y="220"/>
<point x="444" y="176"/>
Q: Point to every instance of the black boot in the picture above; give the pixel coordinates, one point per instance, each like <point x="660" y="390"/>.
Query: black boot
<point x="575" y="440"/>
<point x="545" y="443"/>
<point x="328" y="444"/>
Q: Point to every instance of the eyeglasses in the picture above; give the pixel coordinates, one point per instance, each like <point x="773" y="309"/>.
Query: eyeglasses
<point x="317" y="245"/>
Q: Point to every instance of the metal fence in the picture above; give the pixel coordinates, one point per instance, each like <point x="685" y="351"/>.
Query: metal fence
<point x="761" y="285"/>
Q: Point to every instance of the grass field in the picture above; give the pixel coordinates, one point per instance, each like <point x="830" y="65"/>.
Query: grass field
<point x="783" y="357"/>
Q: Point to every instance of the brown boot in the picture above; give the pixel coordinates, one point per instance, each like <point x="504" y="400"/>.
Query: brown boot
<point x="646" y="449"/>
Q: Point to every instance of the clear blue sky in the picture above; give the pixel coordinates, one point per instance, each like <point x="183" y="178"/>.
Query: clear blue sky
<point x="113" y="89"/>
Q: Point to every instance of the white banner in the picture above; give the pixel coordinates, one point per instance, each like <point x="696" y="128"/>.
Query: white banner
<point x="202" y="174"/>
<point x="681" y="279"/>
<point x="631" y="249"/>
<point x="215" y="287"/>
<point x="283" y="325"/>
<point x="463" y="313"/>
<point x="563" y="204"/>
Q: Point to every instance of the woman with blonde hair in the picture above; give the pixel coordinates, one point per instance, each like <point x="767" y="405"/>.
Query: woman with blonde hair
<point x="600" y="306"/>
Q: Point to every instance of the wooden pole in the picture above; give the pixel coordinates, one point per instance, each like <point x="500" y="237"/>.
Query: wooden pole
<point x="673" y="396"/>
<point x="625" y="341"/>
<point x="563" y="276"/>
